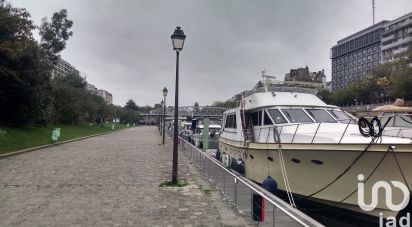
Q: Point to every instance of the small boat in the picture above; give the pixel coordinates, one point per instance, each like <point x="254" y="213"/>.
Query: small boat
<point x="314" y="151"/>
<point x="197" y="132"/>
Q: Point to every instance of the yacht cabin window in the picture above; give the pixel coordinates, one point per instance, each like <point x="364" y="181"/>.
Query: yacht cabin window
<point x="340" y="116"/>
<point x="320" y="115"/>
<point x="213" y="121"/>
<point x="256" y="118"/>
<point x="277" y="116"/>
<point x="230" y="121"/>
<point x="296" y="116"/>
<point x="266" y="119"/>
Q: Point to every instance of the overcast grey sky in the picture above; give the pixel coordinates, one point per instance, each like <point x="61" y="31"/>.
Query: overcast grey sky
<point x="124" y="46"/>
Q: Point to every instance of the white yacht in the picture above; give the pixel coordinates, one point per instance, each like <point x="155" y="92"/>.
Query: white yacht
<point x="313" y="150"/>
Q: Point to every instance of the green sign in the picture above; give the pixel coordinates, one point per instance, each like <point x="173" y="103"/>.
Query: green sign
<point x="55" y="134"/>
<point x="3" y="133"/>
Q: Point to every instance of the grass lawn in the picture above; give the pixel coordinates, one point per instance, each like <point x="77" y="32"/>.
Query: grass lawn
<point x="22" y="138"/>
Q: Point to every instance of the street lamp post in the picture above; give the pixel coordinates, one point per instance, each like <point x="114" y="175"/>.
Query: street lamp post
<point x="178" y="39"/>
<point x="164" y="113"/>
<point x="160" y="120"/>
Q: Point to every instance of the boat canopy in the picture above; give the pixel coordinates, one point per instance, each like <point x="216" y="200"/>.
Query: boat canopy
<point x="259" y="100"/>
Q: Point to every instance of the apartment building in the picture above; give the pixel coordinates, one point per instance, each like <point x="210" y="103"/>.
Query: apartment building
<point x="63" y="68"/>
<point x="356" y="55"/>
<point x="396" y="38"/>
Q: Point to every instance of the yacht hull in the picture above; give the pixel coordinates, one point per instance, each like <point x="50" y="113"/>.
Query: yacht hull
<point x="310" y="167"/>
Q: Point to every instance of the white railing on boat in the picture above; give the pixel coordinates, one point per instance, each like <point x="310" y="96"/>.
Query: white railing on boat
<point x="313" y="133"/>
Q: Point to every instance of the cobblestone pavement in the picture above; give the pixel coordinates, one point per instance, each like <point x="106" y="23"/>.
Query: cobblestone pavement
<point x="109" y="180"/>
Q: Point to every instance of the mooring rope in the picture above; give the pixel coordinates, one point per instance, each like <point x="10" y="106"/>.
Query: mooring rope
<point x="283" y="168"/>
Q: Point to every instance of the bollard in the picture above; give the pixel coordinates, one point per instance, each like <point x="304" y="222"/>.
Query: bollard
<point x="258" y="207"/>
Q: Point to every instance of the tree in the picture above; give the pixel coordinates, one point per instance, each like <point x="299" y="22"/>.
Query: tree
<point x="125" y="115"/>
<point x="24" y="77"/>
<point x="401" y="80"/>
<point x="156" y="106"/>
<point x="226" y="104"/>
<point x="130" y="104"/>
<point x="54" y="34"/>
<point x="325" y="95"/>
<point x="70" y="99"/>
<point x="218" y="104"/>
<point x="128" y="115"/>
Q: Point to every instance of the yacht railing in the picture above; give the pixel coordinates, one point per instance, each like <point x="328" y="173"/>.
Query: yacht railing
<point x="282" y="88"/>
<point x="313" y="133"/>
<point x="253" y="201"/>
<point x="398" y="132"/>
<point x="393" y="128"/>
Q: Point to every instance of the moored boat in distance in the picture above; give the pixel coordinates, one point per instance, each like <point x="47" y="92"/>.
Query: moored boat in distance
<point x="197" y="132"/>
<point x="185" y="130"/>
<point x="313" y="150"/>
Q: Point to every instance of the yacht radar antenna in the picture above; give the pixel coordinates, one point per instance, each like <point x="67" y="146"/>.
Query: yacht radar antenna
<point x="266" y="80"/>
<point x="373" y="11"/>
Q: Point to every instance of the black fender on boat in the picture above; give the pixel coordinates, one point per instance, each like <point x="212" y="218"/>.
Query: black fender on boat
<point x="217" y="155"/>
<point x="238" y="166"/>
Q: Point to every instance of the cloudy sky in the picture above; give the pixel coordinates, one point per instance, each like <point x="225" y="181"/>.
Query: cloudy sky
<point x="124" y="46"/>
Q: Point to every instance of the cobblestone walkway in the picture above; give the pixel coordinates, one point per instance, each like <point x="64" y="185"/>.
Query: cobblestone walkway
<point x="109" y="180"/>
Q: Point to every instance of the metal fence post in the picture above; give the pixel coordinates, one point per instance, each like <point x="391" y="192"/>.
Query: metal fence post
<point x="251" y="203"/>
<point x="224" y="183"/>
<point x="235" y="188"/>
<point x="209" y="168"/>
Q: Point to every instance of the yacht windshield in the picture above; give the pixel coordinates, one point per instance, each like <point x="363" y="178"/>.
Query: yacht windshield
<point x="277" y="116"/>
<point x="340" y="116"/>
<point x="296" y="115"/>
<point x="320" y="115"/>
<point x="397" y="120"/>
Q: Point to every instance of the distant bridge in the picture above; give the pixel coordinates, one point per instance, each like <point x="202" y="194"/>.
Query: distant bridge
<point x="184" y="112"/>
